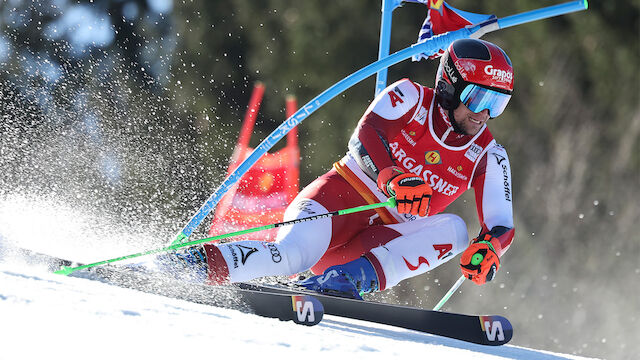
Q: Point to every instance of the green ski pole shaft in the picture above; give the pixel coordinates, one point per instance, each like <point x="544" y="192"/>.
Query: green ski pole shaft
<point x="66" y="270"/>
<point x="449" y="293"/>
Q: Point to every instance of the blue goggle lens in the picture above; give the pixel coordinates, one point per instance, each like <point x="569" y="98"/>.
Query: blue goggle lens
<point x="477" y="98"/>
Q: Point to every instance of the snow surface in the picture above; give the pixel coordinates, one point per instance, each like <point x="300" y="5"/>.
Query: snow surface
<point x="48" y="316"/>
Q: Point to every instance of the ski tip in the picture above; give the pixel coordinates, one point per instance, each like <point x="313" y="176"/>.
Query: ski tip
<point x="307" y="310"/>
<point x="497" y="330"/>
<point x="65" y="270"/>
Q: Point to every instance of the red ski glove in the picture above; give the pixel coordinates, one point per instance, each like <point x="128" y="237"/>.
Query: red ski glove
<point x="412" y="194"/>
<point x="480" y="262"/>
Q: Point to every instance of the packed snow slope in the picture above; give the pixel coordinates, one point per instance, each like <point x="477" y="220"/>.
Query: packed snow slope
<point x="56" y="317"/>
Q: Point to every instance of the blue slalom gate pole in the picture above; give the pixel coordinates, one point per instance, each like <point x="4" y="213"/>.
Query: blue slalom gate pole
<point x="429" y="47"/>
<point x="385" y="40"/>
<point x="543" y="13"/>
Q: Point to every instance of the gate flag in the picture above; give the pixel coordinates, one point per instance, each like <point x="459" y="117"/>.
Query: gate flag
<point x="263" y="193"/>
<point x="442" y="18"/>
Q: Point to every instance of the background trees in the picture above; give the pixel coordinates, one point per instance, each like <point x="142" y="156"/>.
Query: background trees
<point x="134" y="106"/>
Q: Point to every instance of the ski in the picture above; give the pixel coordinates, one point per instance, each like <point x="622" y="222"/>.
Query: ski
<point x="298" y="305"/>
<point x="480" y="329"/>
<point x="302" y="309"/>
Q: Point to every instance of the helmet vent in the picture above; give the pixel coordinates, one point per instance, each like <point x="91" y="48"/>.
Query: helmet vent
<point x="471" y="49"/>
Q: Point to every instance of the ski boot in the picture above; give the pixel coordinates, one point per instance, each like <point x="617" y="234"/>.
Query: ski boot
<point x="348" y="280"/>
<point x="186" y="264"/>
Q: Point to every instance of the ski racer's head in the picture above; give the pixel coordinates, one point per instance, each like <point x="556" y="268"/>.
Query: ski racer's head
<point x="476" y="76"/>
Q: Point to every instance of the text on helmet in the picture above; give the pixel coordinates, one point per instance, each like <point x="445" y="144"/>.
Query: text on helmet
<point x="498" y="74"/>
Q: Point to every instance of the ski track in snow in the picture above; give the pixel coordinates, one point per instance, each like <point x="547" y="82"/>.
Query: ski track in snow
<point x="50" y="316"/>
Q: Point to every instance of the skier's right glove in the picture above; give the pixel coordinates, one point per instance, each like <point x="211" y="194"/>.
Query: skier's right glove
<point x="412" y="194"/>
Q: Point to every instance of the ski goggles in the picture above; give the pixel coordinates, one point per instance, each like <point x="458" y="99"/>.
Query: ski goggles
<point x="478" y="98"/>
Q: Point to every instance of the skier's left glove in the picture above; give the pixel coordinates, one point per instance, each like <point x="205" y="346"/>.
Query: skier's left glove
<point x="480" y="262"/>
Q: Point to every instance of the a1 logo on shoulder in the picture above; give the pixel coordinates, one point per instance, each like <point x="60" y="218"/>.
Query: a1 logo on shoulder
<point x="307" y="310"/>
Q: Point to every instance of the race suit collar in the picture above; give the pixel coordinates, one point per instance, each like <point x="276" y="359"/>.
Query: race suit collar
<point x="444" y="129"/>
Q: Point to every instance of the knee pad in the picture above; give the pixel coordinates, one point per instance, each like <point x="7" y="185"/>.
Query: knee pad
<point x="303" y="244"/>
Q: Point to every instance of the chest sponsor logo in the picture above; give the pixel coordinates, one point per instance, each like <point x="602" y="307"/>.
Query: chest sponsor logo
<point x="434" y="180"/>
<point x="421" y="116"/>
<point x="433" y="157"/>
<point x="473" y="152"/>
<point x="407" y="136"/>
<point x="457" y="173"/>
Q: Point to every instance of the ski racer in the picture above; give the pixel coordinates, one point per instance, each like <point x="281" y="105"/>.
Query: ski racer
<point x="424" y="147"/>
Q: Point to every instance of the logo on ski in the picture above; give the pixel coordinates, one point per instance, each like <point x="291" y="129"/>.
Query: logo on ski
<point x="304" y="311"/>
<point x="493" y="329"/>
<point x="308" y="310"/>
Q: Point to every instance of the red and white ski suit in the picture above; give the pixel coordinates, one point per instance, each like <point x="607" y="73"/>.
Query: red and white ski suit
<point x="406" y="127"/>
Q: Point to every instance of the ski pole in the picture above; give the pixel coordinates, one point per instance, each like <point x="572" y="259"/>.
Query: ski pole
<point x="449" y="293"/>
<point x="66" y="270"/>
